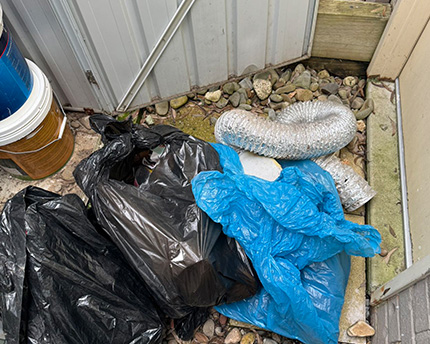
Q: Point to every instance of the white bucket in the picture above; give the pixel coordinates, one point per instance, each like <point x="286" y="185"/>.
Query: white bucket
<point x="32" y="113"/>
<point x="35" y="141"/>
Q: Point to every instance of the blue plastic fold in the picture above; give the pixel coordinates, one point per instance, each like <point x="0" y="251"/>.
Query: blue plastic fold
<point x="295" y="233"/>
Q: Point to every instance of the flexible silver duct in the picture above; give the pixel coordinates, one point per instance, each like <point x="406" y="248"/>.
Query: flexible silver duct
<point x="354" y="191"/>
<point x="301" y="131"/>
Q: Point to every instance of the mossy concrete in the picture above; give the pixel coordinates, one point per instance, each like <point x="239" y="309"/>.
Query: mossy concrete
<point x="384" y="210"/>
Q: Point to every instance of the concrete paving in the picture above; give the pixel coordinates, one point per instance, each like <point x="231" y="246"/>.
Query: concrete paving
<point x="384" y="210"/>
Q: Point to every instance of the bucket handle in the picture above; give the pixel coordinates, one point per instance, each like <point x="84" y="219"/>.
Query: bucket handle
<point x="60" y="136"/>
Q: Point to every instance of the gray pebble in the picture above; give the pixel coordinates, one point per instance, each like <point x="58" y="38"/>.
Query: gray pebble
<point x="209" y="328"/>
<point x="246" y="107"/>
<point x="357" y="103"/>
<point x="334" y="98"/>
<point x="276" y="98"/>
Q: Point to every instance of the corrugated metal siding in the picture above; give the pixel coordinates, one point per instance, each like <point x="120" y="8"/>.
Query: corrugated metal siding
<point x="217" y="40"/>
<point x="40" y="38"/>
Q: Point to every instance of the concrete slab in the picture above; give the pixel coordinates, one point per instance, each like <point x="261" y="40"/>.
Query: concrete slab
<point x="86" y="142"/>
<point x="384" y="210"/>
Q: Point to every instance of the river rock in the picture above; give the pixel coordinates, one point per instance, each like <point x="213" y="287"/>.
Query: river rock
<point x="350" y="81"/>
<point x="262" y="88"/>
<point x="230" y="87"/>
<point x="299" y="69"/>
<point x="269" y="341"/>
<point x="246" y="107"/>
<point x="178" y="102"/>
<point x="361" y="329"/>
<point x="286" y="75"/>
<point x="248" y="338"/>
<point x="304" y="95"/>
<point x="287" y="98"/>
<point x="246" y="83"/>
<point x="213" y="96"/>
<point x="322" y="98"/>
<point x="324" y="74"/>
<point x="233" y="337"/>
<point x="366" y="109"/>
<point x="221" y="103"/>
<point x="235" y="99"/>
<point x="343" y="93"/>
<point x="330" y="88"/>
<point x="209" y="328"/>
<point x="314" y="86"/>
<point x="334" y="98"/>
<point x="162" y="108"/>
<point x="303" y="80"/>
<point x="361" y="126"/>
<point x="357" y="103"/>
<point x="276" y="98"/>
<point x="289" y="87"/>
<point x="279" y="83"/>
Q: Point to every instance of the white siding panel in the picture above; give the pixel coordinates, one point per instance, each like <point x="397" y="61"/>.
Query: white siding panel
<point x="40" y="38"/>
<point x="218" y="39"/>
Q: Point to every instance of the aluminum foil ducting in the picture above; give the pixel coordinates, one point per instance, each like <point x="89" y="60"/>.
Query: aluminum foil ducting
<point x="354" y="191"/>
<point x="301" y="131"/>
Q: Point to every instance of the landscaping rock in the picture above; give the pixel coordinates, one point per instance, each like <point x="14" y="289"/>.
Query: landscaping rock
<point x="276" y="98"/>
<point x="343" y="93"/>
<point x="263" y="88"/>
<point x="235" y="99"/>
<point x="246" y="83"/>
<point x="299" y="69"/>
<point x="221" y="103"/>
<point x="304" y="95"/>
<point x="303" y="80"/>
<point x="279" y="83"/>
<point x="323" y="74"/>
<point x="209" y="328"/>
<point x="322" y="98"/>
<point x="330" y="88"/>
<point x="357" y="103"/>
<point x="350" y="81"/>
<point x="213" y="96"/>
<point x="248" y="338"/>
<point x="269" y="341"/>
<point x="246" y="107"/>
<point x="314" y="86"/>
<point x="230" y="87"/>
<point x="233" y="337"/>
<point x="361" y="126"/>
<point x="286" y="76"/>
<point x="334" y="98"/>
<point x="162" y="108"/>
<point x="178" y="102"/>
<point x="289" y="87"/>
<point x="366" y="109"/>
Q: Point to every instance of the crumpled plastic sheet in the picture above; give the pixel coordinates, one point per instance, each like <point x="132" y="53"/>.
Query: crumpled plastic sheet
<point x="181" y="254"/>
<point x="294" y="232"/>
<point x="63" y="282"/>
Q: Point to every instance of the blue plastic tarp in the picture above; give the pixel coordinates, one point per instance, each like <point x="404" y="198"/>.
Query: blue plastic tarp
<point x="295" y="233"/>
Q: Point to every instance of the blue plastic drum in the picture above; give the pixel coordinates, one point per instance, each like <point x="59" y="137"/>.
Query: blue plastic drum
<point x="16" y="81"/>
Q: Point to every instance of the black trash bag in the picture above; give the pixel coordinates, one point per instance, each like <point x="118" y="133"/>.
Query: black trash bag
<point x="139" y="185"/>
<point x="63" y="282"/>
